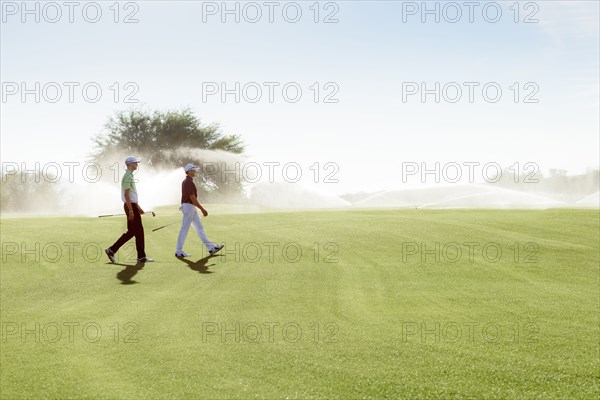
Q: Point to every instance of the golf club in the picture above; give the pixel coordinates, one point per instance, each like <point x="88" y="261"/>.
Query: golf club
<point x="120" y="215"/>
<point x="164" y="226"/>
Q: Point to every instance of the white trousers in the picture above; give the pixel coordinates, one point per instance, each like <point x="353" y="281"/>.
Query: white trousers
<point x="191" y="217"/>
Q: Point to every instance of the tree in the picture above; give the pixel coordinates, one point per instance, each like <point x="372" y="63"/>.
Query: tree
<point x="161" y="138"/>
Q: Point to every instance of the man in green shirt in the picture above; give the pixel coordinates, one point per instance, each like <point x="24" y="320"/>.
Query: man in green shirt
<point x="133" y="212"/>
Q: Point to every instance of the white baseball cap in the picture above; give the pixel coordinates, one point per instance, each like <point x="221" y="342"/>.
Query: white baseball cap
<point x="190" y="167"/>
<point x="132" y="160"/>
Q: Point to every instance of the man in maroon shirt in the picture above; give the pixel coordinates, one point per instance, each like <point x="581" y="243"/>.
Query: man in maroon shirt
<point x="189" y="202"/>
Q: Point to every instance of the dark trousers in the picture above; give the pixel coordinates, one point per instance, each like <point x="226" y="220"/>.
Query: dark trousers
<point x="134" y="228"/>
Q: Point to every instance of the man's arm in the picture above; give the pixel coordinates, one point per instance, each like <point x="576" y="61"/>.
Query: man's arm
<point x="197" y="204"/>
<point x="129" y="207"/>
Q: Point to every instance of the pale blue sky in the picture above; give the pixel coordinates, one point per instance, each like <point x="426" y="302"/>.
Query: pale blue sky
<point x="368" y="54"/>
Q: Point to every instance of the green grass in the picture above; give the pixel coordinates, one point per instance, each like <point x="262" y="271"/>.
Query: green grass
<point x="363" y="318"/>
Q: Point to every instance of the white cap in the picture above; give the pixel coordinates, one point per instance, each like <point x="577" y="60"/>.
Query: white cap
<point x="132" y="160"/>
<point x="190" y="167"/>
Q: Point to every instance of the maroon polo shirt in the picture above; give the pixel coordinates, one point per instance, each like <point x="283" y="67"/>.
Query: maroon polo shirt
<point x="188" y="188"/>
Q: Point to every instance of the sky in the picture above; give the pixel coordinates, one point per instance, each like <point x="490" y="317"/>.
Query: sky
<point x="369" y="61"/>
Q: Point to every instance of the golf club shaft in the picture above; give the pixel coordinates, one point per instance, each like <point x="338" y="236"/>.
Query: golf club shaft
<point x="120" y="215"/>
<point x="164" y="226"/>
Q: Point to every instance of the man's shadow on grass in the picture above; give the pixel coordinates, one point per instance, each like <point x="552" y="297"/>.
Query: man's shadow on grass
<point x="201" y="265"/>
<point x="129" y="272"/>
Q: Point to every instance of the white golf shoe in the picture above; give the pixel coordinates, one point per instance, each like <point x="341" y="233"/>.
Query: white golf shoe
<point x="216" y="249"/>
<point x="110" y="254"/>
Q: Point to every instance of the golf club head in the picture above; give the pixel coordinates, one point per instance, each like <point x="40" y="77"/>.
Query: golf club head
<point x="153" y="214"/>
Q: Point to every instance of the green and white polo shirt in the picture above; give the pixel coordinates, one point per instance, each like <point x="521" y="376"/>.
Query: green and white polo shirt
<point x="128" y="182"/>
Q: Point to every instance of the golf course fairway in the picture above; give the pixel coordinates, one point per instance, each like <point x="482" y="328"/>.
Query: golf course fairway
<point x="305" y="304"/>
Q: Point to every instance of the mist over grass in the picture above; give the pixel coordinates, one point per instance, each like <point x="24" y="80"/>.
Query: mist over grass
<point x="95" y="189"/>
